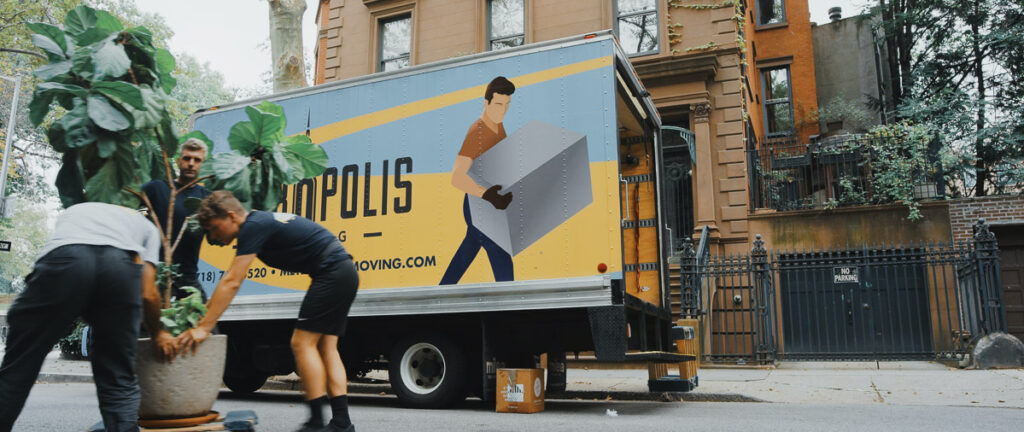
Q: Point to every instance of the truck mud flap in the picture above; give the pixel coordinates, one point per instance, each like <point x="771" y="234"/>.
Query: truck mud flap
<point x="608" y="329"/>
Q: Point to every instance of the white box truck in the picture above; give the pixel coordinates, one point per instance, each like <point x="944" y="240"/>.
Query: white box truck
<point x="453" y="287"/>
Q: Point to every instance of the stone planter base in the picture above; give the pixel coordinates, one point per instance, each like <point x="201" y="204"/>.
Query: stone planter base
<point x="188" y="387"/>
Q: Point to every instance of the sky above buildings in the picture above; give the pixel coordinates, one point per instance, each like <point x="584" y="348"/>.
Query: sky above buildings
<point x="233" y="36"/>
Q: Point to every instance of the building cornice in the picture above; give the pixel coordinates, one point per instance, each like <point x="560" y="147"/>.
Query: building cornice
<point x="705" y="66"/>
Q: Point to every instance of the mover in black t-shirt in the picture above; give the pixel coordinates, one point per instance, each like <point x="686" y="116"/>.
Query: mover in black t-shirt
<point x="186" y="254"/>
<point x="293" y="244"/>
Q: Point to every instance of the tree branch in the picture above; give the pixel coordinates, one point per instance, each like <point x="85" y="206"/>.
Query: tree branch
<point x="20" y="51"/>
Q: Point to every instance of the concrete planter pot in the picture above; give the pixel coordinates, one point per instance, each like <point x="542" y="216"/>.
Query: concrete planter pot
<point x="188" y="387"/>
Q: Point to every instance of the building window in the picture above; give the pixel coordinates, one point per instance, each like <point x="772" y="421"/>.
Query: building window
<point x="636" y="25"/>
<point x="778" y="102"/>
<point x="505" y="24"/>
<point x="771" y="12"/>
<point x="395" y="40"/>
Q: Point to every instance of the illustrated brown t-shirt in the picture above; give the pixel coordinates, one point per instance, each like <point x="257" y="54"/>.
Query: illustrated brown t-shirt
<point x="480" y="138"/>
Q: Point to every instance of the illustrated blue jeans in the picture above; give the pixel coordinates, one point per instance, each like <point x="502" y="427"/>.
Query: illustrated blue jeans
<point x="501" y="261"/>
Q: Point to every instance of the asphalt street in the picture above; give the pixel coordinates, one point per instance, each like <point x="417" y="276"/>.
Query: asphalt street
<point x="72" y="407"/>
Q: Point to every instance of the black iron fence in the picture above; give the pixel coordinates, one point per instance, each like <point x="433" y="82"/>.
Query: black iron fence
<point x="924" y="301"/>
<point x="786" y="174"/>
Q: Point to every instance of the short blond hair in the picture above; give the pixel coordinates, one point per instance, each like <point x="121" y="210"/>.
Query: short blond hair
<point x="195" y="144"/>
<point x="217" y="205"/>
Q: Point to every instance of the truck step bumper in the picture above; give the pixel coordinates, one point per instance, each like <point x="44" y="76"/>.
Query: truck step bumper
<point x="672" y="383"/>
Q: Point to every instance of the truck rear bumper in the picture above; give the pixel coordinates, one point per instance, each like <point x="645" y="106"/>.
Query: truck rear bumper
<point x="485" y="297"/>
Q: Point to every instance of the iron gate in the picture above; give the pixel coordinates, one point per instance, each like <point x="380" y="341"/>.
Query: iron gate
<point x="926" y="301"/>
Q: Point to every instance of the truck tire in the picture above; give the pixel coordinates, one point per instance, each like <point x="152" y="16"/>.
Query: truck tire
<point x="428" y="372"/>
<point x="240" y="373"/>
<point x="245" y="383"/>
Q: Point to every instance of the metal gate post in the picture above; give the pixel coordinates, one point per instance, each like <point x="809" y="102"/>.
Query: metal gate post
<point x="689" y="295"/>
<point x="764" y="302"/>
<point x="986" y="252"/>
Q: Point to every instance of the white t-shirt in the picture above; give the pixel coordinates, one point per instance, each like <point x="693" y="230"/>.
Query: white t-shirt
<point x="106" y="225"/>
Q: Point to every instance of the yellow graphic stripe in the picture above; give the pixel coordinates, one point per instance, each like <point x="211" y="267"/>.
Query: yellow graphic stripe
<point x="366" y="121"/>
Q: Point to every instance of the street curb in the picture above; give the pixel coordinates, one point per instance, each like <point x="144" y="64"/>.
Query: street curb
<point x="59" y="378"/>
<point x="385" y="389"/>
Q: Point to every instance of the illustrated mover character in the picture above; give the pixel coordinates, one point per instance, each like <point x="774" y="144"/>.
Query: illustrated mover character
<point x="483" y="134"/>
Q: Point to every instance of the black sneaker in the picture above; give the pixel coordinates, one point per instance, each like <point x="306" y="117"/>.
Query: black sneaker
<point x="331" y="427"/>
<point x="309" y="427"/>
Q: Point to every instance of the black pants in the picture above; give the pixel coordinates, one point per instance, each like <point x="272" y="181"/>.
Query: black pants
<point x="186" y="280"/>
<point x="501" y="261"/>
<point x="103" y="286"/>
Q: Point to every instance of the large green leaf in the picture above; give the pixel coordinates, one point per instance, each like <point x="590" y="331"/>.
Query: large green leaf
<point x="53" y="51"/>
<point x="152" y="111"/>
<point x="39" y="107"/>
<point x="107" y="22"/>
<point x="301" y="152"/>
<point x="268" y="126"/>
<point x="56" y="88"/>
<point x="242" y="138"/>
<point x="53" y="70"/>
<point x="106" y="115"/>
<point x="106" y="143"/>
<point x="120" y="91"/>
<point x="110" y="61"/>
<point x="91" y="36"/>
<point x="69" y="180"/>
<point x="79" y="19"/>
<point x="52" y="32"/>
<point x="117" y="172"/>
<point x="79" y="130"/>
<point x="82" y="64"/>
<point x="142" y="35"/>
<point x="224" y="165"/>
<point x="165" y="66"/>
<point x="56" y="137"/>
<point x="277" y="159"/>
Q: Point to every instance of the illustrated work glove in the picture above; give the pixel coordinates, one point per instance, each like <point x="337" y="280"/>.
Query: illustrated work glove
<point x="499" y="201"/>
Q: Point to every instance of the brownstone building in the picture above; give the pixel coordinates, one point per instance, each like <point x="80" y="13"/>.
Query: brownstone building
<point x="734" y="72"/>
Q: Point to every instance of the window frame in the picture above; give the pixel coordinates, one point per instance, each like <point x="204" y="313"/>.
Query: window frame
<point x="757" y="15"/>
<point x="766" y="102"/>
<point x="488" y="35"/>
<point x="380" y="39"/>
<point x="616" y="17"/>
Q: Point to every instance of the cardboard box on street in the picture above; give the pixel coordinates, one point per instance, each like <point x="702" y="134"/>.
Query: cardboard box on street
<point x="547" y="169"/>
<point x="520" y="390"/>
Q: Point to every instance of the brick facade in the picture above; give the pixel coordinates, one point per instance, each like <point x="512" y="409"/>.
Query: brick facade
<point x="996" y="210"/>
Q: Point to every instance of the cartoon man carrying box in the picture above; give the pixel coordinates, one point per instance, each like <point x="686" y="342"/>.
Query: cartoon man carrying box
<point x="483" y="134"/>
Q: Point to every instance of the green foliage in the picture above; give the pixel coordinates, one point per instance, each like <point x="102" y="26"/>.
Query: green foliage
<point x="840" y="109"/>
<point x="71" y="345"/>
<point x="184" y="313"/>
<point x="27" y="230"/>
<point x="903" y="158"/>
<point x="262" y="159"/>
<point x="111" y="81"/>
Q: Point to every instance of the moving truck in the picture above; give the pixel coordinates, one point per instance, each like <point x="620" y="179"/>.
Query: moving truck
<point x="452" y="285"/>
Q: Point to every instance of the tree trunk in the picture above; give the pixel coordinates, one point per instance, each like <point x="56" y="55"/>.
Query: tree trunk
<point x="286" y="44"/>
<point x="982" y="163"/>
<point x="892" y="55"/>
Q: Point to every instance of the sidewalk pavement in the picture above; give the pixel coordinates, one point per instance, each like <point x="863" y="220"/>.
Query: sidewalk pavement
<point x="892" y="383"/>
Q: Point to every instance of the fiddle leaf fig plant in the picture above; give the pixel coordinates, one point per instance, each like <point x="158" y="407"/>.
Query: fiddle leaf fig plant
<point x="110" y="86"/>
<point x="262" y="158"/>
<point x="184" y="313"/>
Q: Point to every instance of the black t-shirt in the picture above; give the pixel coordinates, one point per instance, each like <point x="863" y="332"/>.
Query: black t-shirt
<point x="287" y="242"/>
<point x="187" y="253"/>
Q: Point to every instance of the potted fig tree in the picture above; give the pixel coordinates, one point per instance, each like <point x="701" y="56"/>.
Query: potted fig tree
<point x="110" y="85"/>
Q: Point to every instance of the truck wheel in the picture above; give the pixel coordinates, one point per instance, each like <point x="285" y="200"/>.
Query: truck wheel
<point x="240" y="374"/>
<point x="428" y="372"/>
<point x="248" y="383"/>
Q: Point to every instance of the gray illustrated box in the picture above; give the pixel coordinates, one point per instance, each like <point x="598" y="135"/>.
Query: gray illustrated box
<point x="547" y="169"/>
